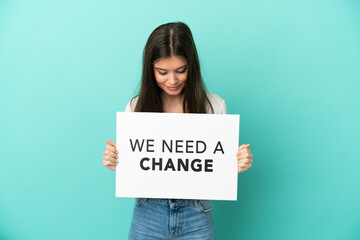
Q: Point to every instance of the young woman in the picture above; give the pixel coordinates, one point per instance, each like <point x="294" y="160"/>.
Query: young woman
<point x="171" y="82"/>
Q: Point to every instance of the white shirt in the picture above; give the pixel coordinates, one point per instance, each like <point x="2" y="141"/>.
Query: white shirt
<point x="217" y="103"/>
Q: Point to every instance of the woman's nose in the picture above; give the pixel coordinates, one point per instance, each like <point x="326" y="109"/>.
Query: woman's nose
<point x="172" y="79"/>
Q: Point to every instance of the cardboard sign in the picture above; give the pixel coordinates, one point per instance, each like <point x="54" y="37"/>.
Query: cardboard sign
<point x="175" y="155"/>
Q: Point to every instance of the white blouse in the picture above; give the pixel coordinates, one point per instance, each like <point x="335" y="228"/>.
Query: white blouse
<point x="217" y="103"/>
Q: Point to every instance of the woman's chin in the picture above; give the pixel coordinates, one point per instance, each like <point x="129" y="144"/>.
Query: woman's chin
<point x="173" y="93"/>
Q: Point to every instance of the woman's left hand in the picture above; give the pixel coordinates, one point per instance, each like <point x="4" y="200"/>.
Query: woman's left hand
<point x="244" y="158"/>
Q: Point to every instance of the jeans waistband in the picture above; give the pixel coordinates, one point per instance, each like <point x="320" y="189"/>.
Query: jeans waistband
<point x="168" y="201"/>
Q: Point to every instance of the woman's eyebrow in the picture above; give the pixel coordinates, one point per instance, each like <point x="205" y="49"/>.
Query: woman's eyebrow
<point x="166" y="69"/>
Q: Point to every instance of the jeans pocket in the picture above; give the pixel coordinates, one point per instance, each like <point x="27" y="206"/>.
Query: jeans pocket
<point x="205" y="205"/>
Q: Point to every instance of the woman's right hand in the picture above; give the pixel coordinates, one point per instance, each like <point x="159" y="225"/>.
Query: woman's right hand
<point x="110" y="155"/>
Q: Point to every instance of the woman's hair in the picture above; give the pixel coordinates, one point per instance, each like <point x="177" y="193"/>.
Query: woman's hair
<point x="171" y="39"/>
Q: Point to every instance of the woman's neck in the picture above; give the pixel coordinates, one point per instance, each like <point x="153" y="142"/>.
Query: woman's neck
<point x="172" y="104"/>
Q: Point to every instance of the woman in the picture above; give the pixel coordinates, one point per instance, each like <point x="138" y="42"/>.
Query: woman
<point x="171" y="82"/>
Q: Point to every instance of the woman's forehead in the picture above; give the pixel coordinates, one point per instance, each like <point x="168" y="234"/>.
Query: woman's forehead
<point x="172" y="62"/>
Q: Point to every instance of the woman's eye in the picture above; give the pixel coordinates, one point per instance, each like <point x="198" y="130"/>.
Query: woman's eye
<point x="181" y="71"/>
<point x="164" y="73"/>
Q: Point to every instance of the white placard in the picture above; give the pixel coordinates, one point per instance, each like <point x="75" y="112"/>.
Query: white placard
<point x="175" y="155"/>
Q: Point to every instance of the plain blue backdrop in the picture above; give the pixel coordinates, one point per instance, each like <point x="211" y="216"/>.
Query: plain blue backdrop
<point x="290" y="68"/>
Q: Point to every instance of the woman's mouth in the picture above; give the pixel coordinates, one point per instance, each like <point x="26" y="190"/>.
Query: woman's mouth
<point x="174" y="88"/>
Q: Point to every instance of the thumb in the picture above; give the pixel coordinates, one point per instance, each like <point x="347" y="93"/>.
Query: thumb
<point x="244" y="146"/>
<point x="111" y="143"/>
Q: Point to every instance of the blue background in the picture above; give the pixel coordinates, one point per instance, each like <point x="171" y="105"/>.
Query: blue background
<point x="290" y="68"/>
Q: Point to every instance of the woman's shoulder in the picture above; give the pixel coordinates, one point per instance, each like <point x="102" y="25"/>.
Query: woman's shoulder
<point x="214" y="98"/>
<point x="217" y="103"/>
<point x="130" y="107"/>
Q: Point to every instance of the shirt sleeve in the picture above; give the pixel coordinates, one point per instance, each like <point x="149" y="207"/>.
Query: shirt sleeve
<point x="223" y="108"/>
<point x="128" y="108"/>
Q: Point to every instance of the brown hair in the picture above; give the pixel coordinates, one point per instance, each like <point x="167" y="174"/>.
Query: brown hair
<point x="171" y="39"/>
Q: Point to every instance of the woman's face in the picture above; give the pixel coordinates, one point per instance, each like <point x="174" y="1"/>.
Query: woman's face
<point x="171" y="74"/>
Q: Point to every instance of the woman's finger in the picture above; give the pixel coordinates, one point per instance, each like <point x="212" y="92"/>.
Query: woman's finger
<point x="242" y="164"/>
<point x="245" y="160"/>
<point x="244" y="151"/>
<point x="111" y="154"/>
<point x="111" y="143"/>
<point x="111" y="148"/>
<point x="241" y="169"/>
<point x="246" y="155"/>
<point x="109" y="163"/>
<point x="109" y="158"/>
<point x="244" y="146"/>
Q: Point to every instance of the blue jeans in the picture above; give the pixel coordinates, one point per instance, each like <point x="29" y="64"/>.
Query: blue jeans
<point x="155" y="218"/>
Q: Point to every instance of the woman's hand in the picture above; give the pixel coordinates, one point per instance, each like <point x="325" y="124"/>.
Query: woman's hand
<point x="244" y="158"/>
<point x="110" y="155"/>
